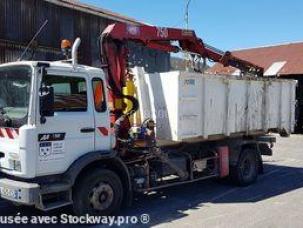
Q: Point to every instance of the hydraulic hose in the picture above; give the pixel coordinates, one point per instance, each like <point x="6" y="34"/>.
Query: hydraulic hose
<point x="117" y="92"/>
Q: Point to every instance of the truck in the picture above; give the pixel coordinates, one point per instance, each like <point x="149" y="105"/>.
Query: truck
<point x="68" y="133"/>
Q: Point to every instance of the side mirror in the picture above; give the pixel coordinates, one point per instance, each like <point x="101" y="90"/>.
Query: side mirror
<point x="47" y="100"/>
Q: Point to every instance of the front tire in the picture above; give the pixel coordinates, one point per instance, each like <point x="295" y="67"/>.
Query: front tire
<point x="98" y="192"/>
<point x="246" y="170"/>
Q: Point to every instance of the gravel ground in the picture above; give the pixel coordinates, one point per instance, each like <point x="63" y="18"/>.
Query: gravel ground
<point x="274" y="201"/>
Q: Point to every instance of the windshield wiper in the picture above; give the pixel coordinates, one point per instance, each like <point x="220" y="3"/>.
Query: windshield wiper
<point x="8" y="121"/>
<point x="2" y="111"/>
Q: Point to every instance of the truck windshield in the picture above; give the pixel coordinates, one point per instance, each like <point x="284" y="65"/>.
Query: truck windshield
<point x="15" y="82"/>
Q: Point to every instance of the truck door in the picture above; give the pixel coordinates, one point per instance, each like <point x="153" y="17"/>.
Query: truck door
<point x="69" y="134"/>
<point x="101" y="113"/>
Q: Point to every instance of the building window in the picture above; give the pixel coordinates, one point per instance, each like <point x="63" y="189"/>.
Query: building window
<point x="99" y="95"/>
<point x="70" y="93"/>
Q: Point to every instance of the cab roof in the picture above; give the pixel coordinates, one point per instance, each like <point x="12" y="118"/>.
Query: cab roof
<point x="57" y="64"/>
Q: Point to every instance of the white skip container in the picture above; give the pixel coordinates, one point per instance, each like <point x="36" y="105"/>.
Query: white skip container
<point x="189" y="106"/>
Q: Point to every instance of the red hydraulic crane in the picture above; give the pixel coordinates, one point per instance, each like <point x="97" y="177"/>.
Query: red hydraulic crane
<point x="114" y="52"/>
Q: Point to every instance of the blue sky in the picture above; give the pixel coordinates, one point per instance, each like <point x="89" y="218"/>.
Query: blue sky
<point x="225" y="24"/>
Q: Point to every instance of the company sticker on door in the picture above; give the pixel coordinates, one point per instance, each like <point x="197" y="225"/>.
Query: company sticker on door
<point x="51" y="146"/>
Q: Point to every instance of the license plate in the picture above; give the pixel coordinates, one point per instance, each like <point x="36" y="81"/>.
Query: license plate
<point x="10" y="193"/>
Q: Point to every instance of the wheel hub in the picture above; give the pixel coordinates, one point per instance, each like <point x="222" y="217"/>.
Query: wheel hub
<point x="101" y="196"/>
<point x="246" y="167"/>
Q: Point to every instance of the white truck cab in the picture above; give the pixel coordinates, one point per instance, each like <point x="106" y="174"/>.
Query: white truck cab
<point x="35" y="143"/>
<point x="30" y="147"/>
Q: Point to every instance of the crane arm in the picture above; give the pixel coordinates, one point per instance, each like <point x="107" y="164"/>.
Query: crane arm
<point x="159" y="38"/>
<point x="114" y="53"/>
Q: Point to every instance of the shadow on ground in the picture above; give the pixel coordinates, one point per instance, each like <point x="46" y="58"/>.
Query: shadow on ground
<point x="172" y="204"/>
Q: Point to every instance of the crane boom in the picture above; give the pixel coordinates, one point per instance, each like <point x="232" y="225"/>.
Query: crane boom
<point x="114" y="52"/>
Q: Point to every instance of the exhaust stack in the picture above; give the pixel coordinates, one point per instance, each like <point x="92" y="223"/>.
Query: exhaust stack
<point x="75" y="51"/>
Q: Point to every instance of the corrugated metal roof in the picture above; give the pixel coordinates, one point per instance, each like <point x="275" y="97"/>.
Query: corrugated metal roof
<point x="74" y="4"/>
<point x="291" y="53"/>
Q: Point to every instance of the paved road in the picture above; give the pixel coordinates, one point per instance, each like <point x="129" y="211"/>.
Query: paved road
<point x="274" y="201"/>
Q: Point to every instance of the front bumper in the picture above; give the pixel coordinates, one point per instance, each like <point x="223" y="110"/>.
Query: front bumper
<point x="19" y="192"/>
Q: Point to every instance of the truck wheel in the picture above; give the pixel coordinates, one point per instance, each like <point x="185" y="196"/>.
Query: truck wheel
<point x="98" y="192"/>
<point x="246" y="170"/>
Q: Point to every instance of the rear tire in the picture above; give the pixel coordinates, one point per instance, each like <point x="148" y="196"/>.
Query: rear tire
<point x="246" y="170"/>
<point x="98" y="192"/>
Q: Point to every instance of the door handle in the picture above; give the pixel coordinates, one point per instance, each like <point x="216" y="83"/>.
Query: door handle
<point x="87" y="130"/>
